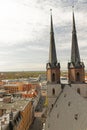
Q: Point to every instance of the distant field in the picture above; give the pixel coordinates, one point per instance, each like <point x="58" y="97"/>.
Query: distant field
<point x="16" y="75"/>
<point x="27" y="74"/>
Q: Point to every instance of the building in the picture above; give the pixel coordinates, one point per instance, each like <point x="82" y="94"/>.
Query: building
<point x="53" y="67"/>
<point x="18" y="101"/>
<point x="76" y="72"/>
<point x="53" y="70"/>
<point x="67" y="109"/>
<point x="13" y="88"/>
<point x="16" y="115"/>
<point x="30" y="94"/>
<point x="76" y="68"/>
<point x="69" y="112"/>
<point x="28" y="86"/>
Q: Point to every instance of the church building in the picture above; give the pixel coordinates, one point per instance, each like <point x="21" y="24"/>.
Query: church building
<point x="76" y="72"/>
<point x="67" y="109"/>
<point x="53" y="71"/>
<point x="53" y="67"/>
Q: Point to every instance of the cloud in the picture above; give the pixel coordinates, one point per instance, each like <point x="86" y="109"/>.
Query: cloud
<point x="25" y="32"/>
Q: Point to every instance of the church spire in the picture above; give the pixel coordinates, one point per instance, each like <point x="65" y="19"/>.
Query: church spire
<point x="53" y="67"/>
<point x="75" y="56"/>
<point x="52" y="51"/>
<point x="76" y="72"/>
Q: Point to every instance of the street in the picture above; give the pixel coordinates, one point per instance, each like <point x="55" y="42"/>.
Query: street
<point x="37" y="124"/>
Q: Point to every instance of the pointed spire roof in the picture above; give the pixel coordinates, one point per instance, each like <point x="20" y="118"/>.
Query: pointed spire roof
<point x="75" y="56"/>
<point x="52" y="50"/>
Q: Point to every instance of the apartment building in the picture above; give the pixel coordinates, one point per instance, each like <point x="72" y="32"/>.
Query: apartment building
<point x="16" y="115"/>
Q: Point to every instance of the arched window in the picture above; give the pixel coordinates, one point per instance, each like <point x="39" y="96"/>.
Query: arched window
<point x="78" y="90"/>
<point x="53" y="77"/>
<point x="78" y="76"/>
<point x="53" y="91"/>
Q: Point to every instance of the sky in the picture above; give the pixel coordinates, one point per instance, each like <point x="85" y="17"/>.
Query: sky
<point x="25" y="32"/>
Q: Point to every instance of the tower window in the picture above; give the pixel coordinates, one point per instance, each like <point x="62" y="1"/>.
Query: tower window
<point x="53" y="77"/>
<point x="78" y="76"/>
<point x="53" y="91"/>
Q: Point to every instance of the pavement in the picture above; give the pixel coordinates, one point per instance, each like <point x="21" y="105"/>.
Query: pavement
<point x="36" y="125"/>
<point x="40" y="104"/>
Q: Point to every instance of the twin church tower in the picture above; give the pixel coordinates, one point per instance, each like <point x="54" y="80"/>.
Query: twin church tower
<point x="76" y="72"/>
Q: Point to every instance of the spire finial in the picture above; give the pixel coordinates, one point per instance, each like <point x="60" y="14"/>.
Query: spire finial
<point x="50" y="10"/>
<point x="73" y="2"/>
<point x="73" y="8"/>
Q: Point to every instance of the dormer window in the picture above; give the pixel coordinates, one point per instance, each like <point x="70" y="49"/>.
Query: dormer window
<point x="53" y="91"/>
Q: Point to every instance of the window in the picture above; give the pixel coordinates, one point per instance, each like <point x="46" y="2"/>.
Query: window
<point x="52" y="105"/>
<point x="76" y="116"/>
<point x="53" y="77"/>
<point x="78" y="90"/>
<point x="78" y="76"/>
<point x="53" y="91"/>
<point x="69" y="103"/>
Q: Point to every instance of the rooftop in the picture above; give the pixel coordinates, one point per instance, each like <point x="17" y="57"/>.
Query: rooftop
<point x="69" y="112"/>
<point x="17" y="104"/>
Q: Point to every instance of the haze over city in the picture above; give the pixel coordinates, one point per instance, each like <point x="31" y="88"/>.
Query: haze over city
<point x="25" y="32"/>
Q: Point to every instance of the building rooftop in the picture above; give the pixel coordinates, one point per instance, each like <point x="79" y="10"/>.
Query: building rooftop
<point x="11" y="85"/>
<point x="16" y="104"/>
<point x="69" y="112"/>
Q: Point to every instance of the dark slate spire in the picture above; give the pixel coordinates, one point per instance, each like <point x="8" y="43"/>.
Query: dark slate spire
<point x="52" y="51"/>
<point x="75" y="56"/>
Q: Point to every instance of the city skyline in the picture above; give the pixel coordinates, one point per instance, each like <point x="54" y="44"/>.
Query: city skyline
<point x="25" y="32"/>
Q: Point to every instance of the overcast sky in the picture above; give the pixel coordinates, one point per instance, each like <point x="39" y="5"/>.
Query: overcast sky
<point x="25" y="32"/>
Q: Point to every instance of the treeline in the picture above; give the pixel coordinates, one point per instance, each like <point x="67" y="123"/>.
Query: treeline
<point x="23" y="74"/>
